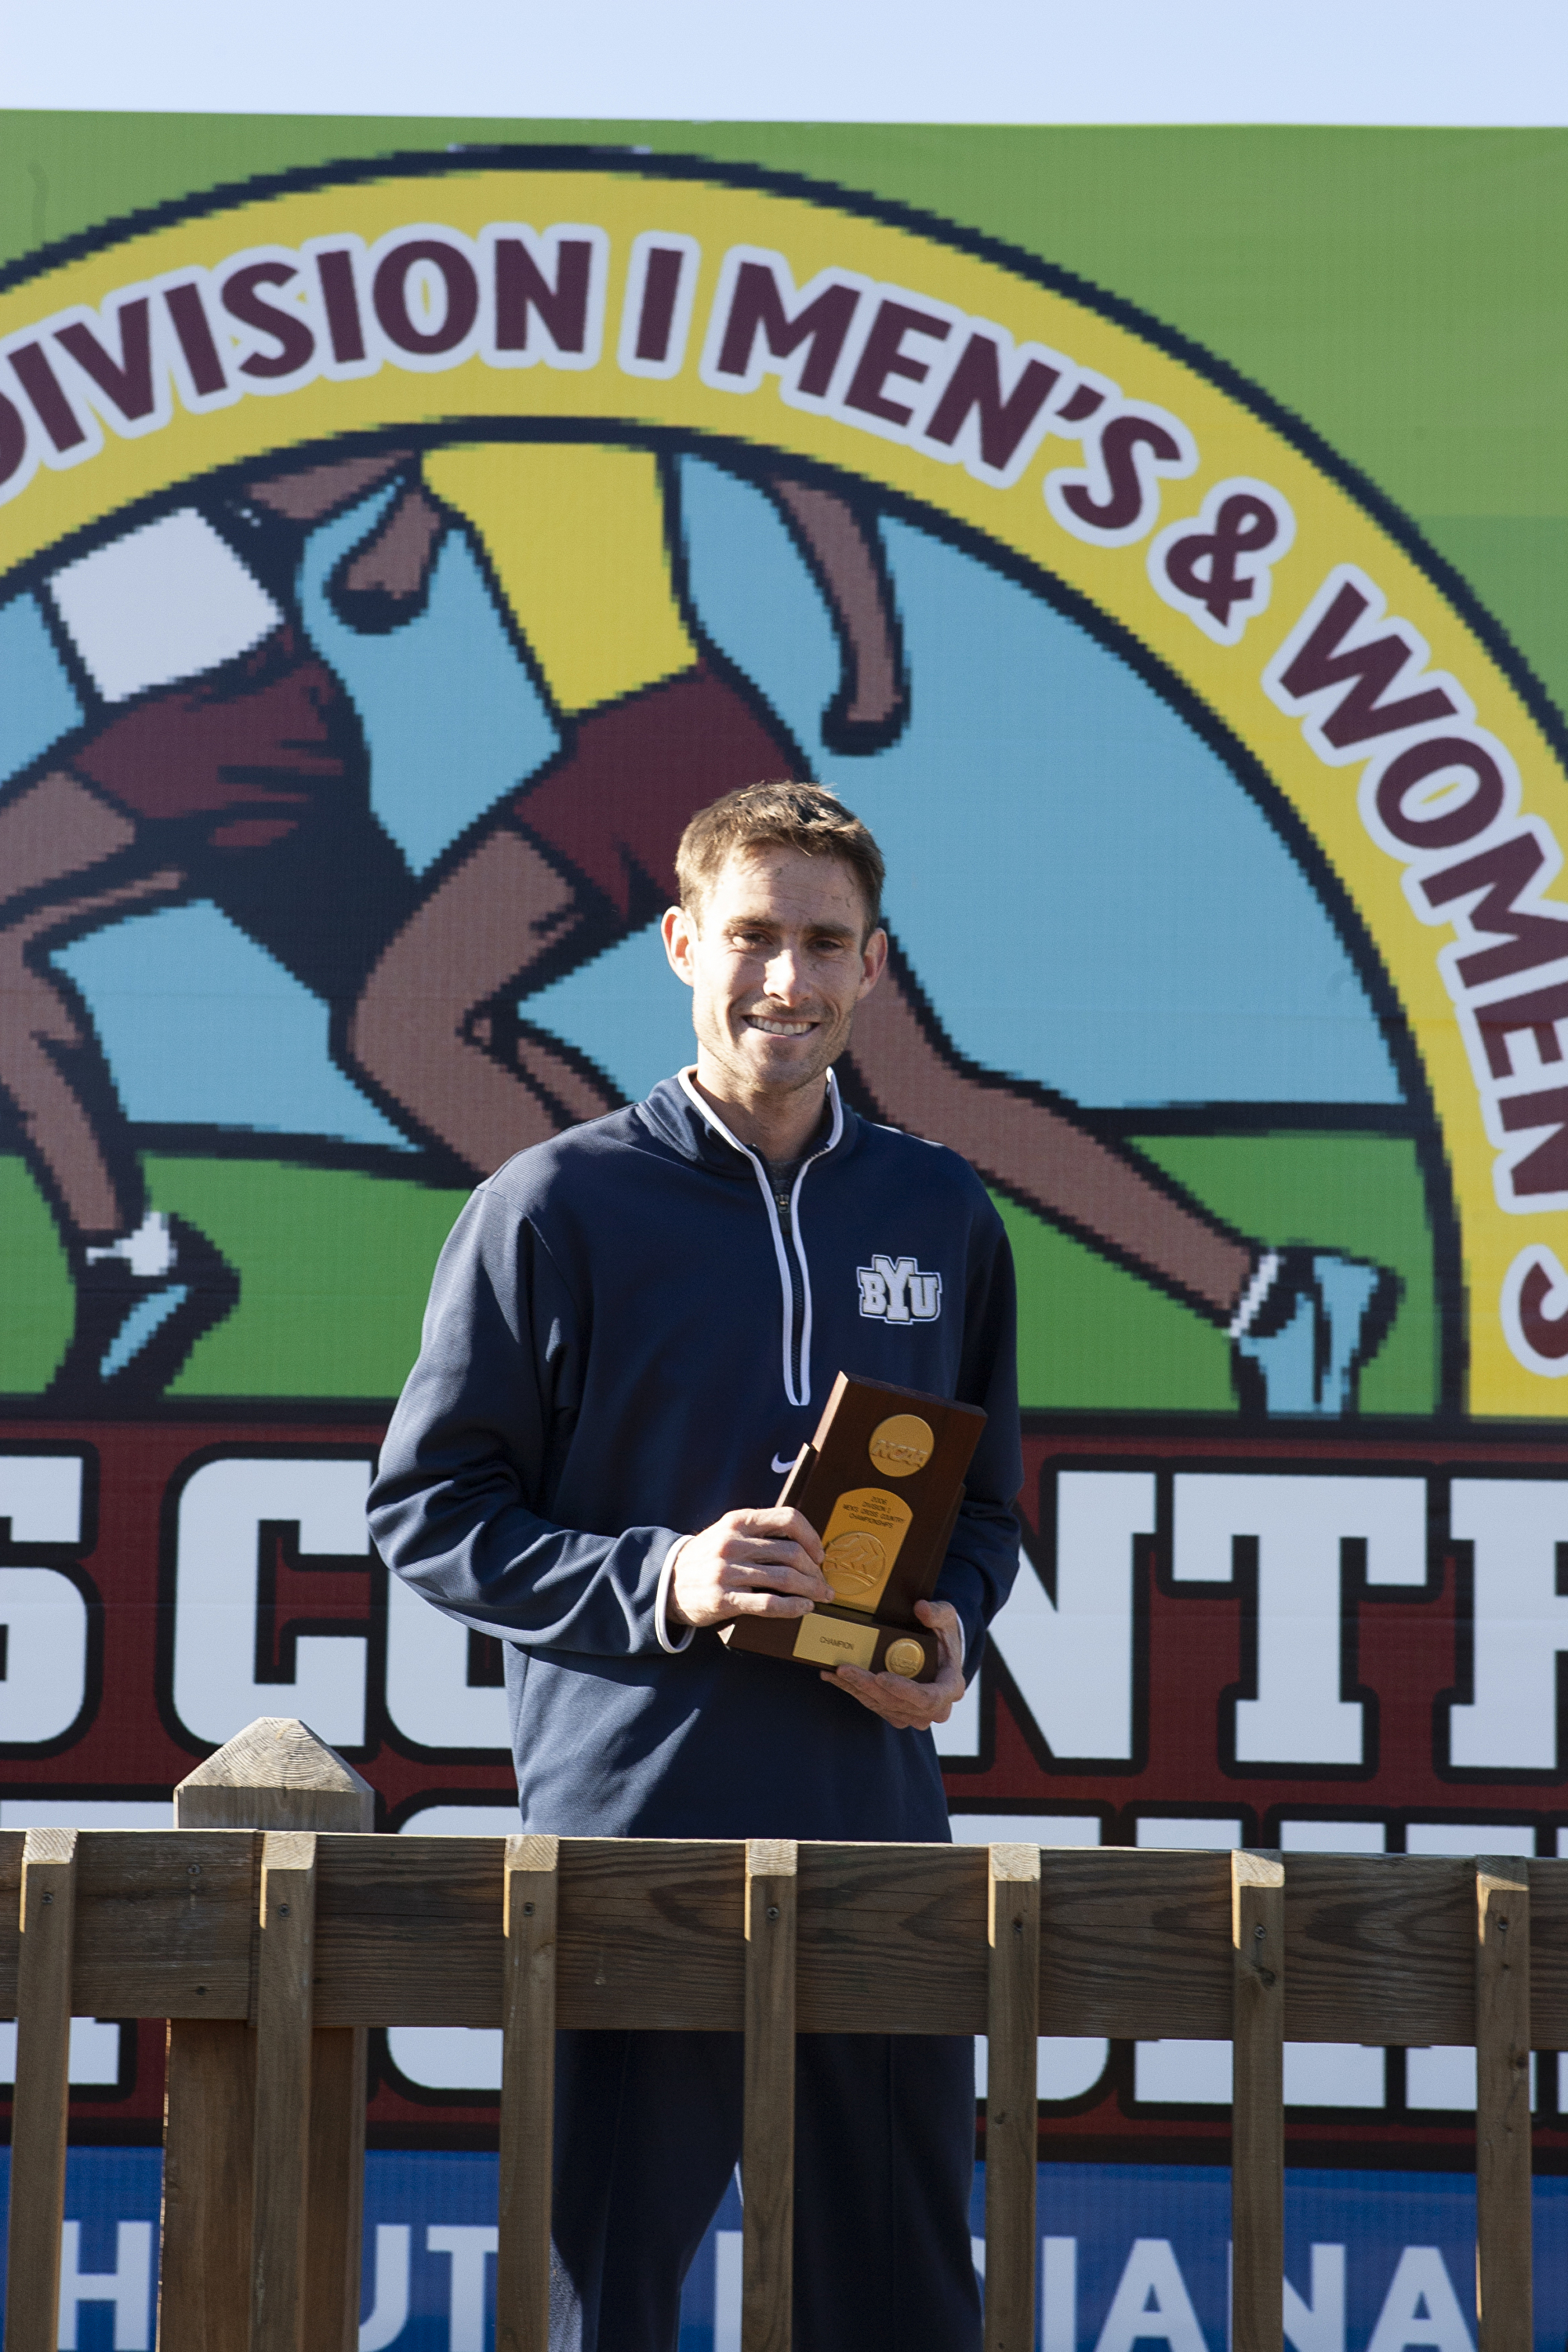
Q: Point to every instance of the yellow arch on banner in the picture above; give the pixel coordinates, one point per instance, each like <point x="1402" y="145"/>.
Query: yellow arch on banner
<point x="1331" y="528"/>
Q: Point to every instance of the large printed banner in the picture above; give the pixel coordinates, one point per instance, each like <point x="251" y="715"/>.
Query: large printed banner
<point x="392" y="556"/>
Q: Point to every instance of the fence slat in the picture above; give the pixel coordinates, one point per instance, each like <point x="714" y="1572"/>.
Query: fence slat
<point x="209" y="2126"/>
<point x="528" y="2093"/>
<point x="38" y="2115"/>
<point x="1504" y="2295"/>
<point x="339" y="2069"/>
<point x="280" y="2196"/>
<point x="1012" y="2105"/>
<point x="767" y="2155"/>
<point x="1257" y="2113"/>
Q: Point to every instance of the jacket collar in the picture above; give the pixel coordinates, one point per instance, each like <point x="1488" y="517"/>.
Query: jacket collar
<point x="682" y="1120"/>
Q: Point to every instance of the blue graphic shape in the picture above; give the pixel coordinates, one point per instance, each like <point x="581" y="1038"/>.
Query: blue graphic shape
<point x="40" y="702"/>
<point x="1086" y="894"/>
<point x="1347" y="1290"/>
<point x="202" y="1026"/>
<point x="451" y="717"/>
<point x="423" y="2298"/>
<point x="146" y="1318"/>
<point x="626" y="1010"/>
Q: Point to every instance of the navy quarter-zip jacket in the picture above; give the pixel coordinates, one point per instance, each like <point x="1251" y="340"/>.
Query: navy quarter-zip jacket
<point x="625" y="1340"/>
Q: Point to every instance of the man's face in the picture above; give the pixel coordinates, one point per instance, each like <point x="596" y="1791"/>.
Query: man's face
<point x="777" y="960"/>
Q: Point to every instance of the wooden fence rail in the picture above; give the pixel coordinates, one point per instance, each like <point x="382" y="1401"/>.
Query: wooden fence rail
<point x="278" y="1938"/>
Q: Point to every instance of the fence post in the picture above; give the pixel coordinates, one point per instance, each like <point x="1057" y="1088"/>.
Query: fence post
<point x="1503" y="2286"/>
<point x="1011" y="2102"/>
<point x="1257" y="2109"/>
<point x="43" y="2090"/>
<point x="767" y="2151"/>
<point x="528" y="2093"/>
<point x="274" y="1775"/>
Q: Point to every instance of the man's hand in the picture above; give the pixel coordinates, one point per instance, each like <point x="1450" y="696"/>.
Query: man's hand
<point x="749" y="1564"/>
<point x="913" y="1707"/>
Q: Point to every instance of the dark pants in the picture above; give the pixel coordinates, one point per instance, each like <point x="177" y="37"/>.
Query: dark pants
<point x="647" y="2133"/>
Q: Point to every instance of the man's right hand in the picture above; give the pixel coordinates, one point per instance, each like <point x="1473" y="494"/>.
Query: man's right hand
<point x="748" y="1564"/>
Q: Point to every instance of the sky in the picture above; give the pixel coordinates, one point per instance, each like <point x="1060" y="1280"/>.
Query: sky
<point x="1319" y="61"/>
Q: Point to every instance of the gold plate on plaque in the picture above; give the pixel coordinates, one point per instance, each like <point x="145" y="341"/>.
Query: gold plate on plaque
<point x="831" y="1643"/>
<point x="860" y="1543"/>
<point x="901" y="1445"/>
<point x="904" y="1657"/>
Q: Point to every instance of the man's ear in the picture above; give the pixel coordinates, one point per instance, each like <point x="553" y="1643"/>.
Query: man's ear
<point x="873" y="961"/>
<point x="678" y="932"/>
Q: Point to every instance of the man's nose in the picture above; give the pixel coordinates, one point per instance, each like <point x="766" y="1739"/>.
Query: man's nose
<point x="784" y="978"/>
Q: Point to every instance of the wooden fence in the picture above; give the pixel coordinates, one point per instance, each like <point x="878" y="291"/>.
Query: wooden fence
<point x="272" y="1944"/>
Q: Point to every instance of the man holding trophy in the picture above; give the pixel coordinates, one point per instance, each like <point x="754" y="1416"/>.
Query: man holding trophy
<point x="632" y="1333"/>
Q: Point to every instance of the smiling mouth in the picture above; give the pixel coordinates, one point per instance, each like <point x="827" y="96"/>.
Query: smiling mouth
<point x="779" y="1028"/>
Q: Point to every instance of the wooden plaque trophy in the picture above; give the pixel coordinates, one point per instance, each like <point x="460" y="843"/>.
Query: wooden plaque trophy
<point x="881" y="1483"/>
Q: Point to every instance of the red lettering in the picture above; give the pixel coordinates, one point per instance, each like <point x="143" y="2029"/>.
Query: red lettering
<point x="1449" y="824"/>
<point x="339" y="294"/>
<point x="885" y="356"/>
<point x="1502" y="874"/>
<point x="242" y="300"/>
<point x="389" y="294"/>
<point x="521" y="287"/>
<point x="661" y="285"/>
<point x="1367" y="673"/>
<point x="756" y="307"/>
<point x="126" y="381"/>
<point x="974" y="389"/>
<point x="189" y="314"/>
<point x="1544" y="1170"/>
<point x="1540" y="1011"/>
<point x="1082" y="405"/>
<point x="1547" y="1334"/>
<point x="55" y="413"/>
<point x="1118" y="447"/>
<point x="12" y="438"/>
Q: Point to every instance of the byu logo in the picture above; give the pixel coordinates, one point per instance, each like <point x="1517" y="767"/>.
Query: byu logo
<point x="894" y="1290"/>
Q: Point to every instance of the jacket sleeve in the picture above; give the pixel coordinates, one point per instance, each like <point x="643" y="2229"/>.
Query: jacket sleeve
<point x="455" y="1508"/>
<point x="982" y="1558"/>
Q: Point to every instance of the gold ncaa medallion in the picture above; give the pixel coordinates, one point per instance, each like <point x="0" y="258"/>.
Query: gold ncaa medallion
<point x="905" y="1657"/>
<point x="902" y="1445"/>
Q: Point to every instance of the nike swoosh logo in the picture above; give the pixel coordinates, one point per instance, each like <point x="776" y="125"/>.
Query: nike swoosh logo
<point x="788" y="1463"/>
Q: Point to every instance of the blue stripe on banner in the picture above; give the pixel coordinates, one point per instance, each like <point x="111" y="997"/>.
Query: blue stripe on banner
<point x="1130" y="2254"/>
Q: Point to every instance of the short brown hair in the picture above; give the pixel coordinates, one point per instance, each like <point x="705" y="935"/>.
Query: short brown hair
<point x="808" y="817"/>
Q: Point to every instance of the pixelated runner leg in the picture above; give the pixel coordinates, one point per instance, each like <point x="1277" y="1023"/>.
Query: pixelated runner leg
<point x="1041" y="1153"/>
<point x="576" y="543"/>
<point x="412" y="1035"/>
<point x="147" y="1285"/>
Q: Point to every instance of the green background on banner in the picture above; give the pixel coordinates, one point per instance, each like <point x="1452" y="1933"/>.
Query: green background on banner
<point x="1399" y="291"/>
<point x="1404" y="291"/>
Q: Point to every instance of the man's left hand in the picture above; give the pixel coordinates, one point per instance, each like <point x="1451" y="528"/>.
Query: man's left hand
<point x="908" y="1705"/>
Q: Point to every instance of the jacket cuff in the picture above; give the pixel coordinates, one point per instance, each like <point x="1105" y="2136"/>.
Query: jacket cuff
<point x="661" y="1602"/>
